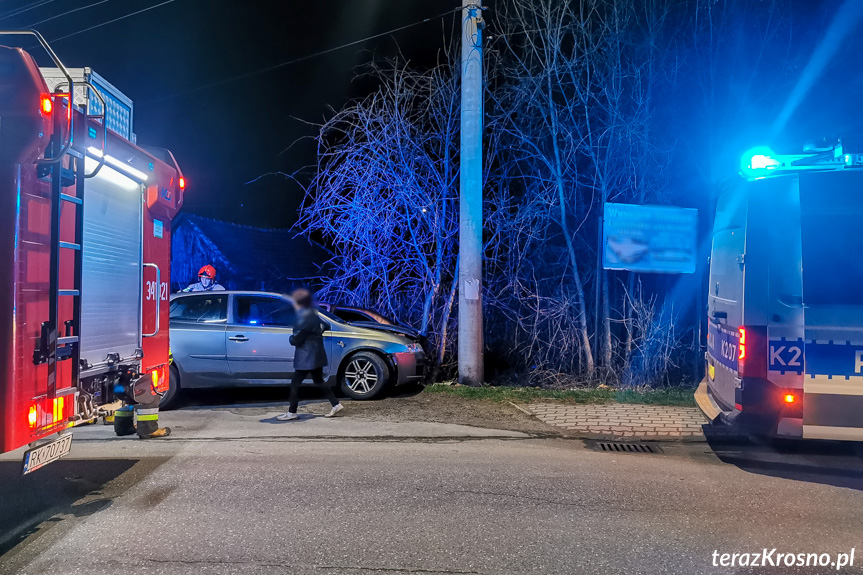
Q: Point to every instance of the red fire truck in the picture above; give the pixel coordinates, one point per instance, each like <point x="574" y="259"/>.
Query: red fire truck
<point x="85" y="232"/>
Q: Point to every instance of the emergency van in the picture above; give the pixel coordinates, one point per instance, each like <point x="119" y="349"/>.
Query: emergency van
<point x="785" y="298"/>
<point x="85" y="228"/>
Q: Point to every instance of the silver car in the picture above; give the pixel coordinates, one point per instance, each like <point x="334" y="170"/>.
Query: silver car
<point x="237" y="338"/>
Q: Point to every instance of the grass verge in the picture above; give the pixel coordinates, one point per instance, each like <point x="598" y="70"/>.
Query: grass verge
<point x="673" y="397"/>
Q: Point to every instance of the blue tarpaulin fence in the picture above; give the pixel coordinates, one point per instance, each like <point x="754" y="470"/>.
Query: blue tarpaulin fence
<point x="245" y="257"/>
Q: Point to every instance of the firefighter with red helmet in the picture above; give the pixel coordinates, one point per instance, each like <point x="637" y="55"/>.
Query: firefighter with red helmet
<point x="206" y="280"/>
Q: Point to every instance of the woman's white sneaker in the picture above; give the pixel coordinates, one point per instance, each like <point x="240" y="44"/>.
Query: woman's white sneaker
<point x="288" y="416"/>
<point x="335" y="410"/>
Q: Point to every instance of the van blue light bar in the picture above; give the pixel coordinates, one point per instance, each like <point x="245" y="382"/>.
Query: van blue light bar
<point x="762" y="162"/>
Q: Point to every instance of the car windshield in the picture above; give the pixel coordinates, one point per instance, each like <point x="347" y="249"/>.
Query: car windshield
<point x="330" y="317"/>
<point x="350" y="315"/>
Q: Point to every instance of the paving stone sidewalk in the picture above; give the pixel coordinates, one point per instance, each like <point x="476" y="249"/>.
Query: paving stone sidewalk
<point x="623" y="420"/>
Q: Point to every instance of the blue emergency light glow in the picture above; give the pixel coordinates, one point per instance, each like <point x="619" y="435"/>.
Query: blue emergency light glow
<point x="762" y="162"/>
<point x="758" y="162"/>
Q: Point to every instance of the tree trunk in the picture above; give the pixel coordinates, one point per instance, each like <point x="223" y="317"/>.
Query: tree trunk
<point x="444" y="324"/>
<point x="586" y="351"/>
<point x="427" y="309"/>
<point x="628" y="316"/>
<point x="606" y="321"/>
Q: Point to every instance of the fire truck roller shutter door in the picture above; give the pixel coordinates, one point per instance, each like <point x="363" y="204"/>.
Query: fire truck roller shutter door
<point x="112" y="267"/>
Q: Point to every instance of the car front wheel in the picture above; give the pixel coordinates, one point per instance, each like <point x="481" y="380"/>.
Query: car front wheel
<point x="169" y="400"/>
<point x="364" y="376"/>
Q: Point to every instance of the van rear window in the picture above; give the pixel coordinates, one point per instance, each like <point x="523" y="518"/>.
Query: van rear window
<point x="831" y="208"/>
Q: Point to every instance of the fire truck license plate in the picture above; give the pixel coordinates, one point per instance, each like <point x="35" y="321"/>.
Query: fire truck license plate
<point x="45" y="454"/>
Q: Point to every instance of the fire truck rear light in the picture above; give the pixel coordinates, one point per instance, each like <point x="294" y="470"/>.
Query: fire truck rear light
<point x="182" y="182"/>
<point x="46" y="104"/>
<point x="156" y="380"/>
<point x="59" y="411"/>
<point x="741" y="350"/>
<point x="33" y="417"/>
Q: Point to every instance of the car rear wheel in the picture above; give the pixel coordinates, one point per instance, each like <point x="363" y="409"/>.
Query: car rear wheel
<point x="169" y="400"/>
<point x="364" y="376"/>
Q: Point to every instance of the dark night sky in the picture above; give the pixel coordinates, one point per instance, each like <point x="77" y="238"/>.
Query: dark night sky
<point x="229" y="134"/>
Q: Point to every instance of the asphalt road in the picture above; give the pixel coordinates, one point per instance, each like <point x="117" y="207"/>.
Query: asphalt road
<point x="234" y="491"/>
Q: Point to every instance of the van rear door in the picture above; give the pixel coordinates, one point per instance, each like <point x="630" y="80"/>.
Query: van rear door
<point x="725" y="295"/>
<point x="831" y="206"/>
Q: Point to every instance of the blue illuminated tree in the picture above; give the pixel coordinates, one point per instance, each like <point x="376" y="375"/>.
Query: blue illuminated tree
<point x="587" y="102"/>
<point x="385" y="198"/>
<point x="576" y="102"/>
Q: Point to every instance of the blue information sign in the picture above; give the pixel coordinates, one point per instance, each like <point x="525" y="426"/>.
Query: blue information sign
<point x="659" y="239"/>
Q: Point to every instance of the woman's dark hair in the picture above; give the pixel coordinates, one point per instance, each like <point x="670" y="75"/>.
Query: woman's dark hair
<point x="302" y="297"/>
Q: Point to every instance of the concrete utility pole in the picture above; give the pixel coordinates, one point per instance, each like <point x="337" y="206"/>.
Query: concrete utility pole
<point x="470" y="340"/>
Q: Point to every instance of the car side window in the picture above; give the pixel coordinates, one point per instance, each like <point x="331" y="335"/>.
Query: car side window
<point x="350" y="315"/>
<point x="201" y="309"/>
<point x="263" y="311"/>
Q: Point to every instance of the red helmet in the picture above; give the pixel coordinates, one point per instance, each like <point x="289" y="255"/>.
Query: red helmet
<point x="207" y="271"/>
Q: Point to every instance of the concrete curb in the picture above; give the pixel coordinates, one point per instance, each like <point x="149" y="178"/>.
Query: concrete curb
<point x="521" y="409"/>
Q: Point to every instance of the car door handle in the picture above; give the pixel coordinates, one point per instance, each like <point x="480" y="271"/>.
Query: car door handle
<point x="239" y="338"/>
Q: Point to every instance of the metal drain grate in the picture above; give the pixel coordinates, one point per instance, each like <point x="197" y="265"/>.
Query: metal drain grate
<point x="623" y="447"/>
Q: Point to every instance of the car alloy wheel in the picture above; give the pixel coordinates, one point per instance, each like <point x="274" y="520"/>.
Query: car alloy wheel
<point x="364" y="376"/>
<point x="361" y="376"/>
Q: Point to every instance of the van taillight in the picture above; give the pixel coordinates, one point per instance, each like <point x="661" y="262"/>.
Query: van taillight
<point x="792" y="403"/>
<point x="752" y="351"/>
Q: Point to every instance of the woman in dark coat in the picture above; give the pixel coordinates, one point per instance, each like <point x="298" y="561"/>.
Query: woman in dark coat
<point x="310" y="357"/>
